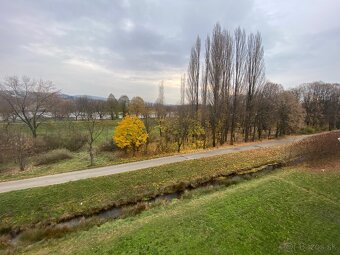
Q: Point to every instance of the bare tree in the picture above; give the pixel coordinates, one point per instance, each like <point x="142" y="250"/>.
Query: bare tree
<point x="6" y="112"/>
<point x="100" y="108"/>
<point x="137" y="106"/>
<point x="66" y="108"/>
<point x="147" y="122"/>
<point x="177" y="128"/>
<point x="216" y="67"/>
<point x="160" y="112"/>
<point x="20" y="146"/>
<point x="92" y="126"/>
<point x="160" y="98"/>
<point x="290" y="114"/>
<point x="255" y="78"/>
<point x="239" y="73"/>
<point x="182" y="101"/>
<point x="320" y="101"/>
<point x="77" y="109"/>
<point x="194" y="77"/>
<point x="159" y="105"/>
<point x="112" y="106"/>
<point x="82" y="106"/>
<point x="28" y="99"/>
<point x="226" y="85"/>
<point x="333" y="107"/>
<point x="204" y="90"/>
<point x="54" y="107"/>
<point x="268" y="108"/>
<point x="123" y="103"/>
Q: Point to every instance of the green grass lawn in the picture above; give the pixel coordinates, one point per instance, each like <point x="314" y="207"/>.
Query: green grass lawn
<point x="48" y="204"/>
<point x="65" y="127"/>
<point x="291" y="211"/>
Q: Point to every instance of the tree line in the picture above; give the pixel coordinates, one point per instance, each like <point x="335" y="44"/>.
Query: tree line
<point x="227" y="95"/>
<point x="224" y="98"/>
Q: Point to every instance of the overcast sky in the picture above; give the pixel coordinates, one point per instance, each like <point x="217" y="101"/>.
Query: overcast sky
<point x="128" y="47"/>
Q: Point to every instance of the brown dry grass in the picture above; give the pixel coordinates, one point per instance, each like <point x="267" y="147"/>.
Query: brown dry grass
<point x="317" y="147"/>
<point x="327" y="164"/>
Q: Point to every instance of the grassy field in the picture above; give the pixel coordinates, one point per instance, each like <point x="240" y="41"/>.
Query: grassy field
<point x="49" y="204"/>
<point x="291" y="211"/>
<point x="66" y="127"/>
<point x="80" y="159"/>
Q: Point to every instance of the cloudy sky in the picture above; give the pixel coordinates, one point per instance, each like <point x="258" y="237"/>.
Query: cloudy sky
<point x="128" y="47"/>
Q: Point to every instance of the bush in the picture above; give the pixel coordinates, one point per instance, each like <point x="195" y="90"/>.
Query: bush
<point x="5" y="154"/>
<point x="52" y="157"/>
<point x="15" y="146"/>
<point x="72" y="142"/>
<point x="308" y="131"/>
<point x="107" y="146"/>
<point x="130" y="134"/>
<point x="40" y="145"/>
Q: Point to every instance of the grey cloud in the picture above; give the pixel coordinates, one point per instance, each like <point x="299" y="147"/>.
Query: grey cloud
<point x="127" y="47"/>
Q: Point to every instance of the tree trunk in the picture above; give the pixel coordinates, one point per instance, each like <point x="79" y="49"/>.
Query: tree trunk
<point x="254" y="132"/>
<point x="214" y="137"/>
<point x="34" y="132"/>
<point x="91" y="154"/>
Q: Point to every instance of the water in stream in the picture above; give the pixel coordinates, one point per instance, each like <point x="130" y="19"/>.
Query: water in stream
<point x="116" y="212"/>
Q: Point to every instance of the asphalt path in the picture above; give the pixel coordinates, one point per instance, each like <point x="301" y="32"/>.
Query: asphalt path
<point x="133" y="166"/>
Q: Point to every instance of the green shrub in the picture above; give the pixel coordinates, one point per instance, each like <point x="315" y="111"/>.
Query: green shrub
<point x="308" y="131"/>
<point x="52" y="157"/>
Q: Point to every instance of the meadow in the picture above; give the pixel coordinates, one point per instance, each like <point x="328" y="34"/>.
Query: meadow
<point x="69" y="136"/>
<point x="62" y="128"/>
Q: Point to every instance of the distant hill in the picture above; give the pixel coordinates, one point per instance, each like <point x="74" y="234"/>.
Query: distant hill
<point x="65" y="96"/>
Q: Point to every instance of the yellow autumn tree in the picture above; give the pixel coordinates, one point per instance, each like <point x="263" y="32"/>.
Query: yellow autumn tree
<point x="130" y="133"/>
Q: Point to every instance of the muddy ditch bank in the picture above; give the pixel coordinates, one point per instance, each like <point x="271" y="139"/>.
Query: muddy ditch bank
<point x="10" y="237"/>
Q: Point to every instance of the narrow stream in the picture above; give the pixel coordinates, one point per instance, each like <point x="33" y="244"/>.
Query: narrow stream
<point x="117" y="212"/>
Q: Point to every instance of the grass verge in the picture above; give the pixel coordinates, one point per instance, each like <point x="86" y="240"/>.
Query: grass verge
<point x="80" y="161"/>
<point x="286" y="212"/>
<point x="20" y="209"/>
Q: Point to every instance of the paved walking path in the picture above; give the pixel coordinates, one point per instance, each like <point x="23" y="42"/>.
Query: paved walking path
<point x="121" y="168"/>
